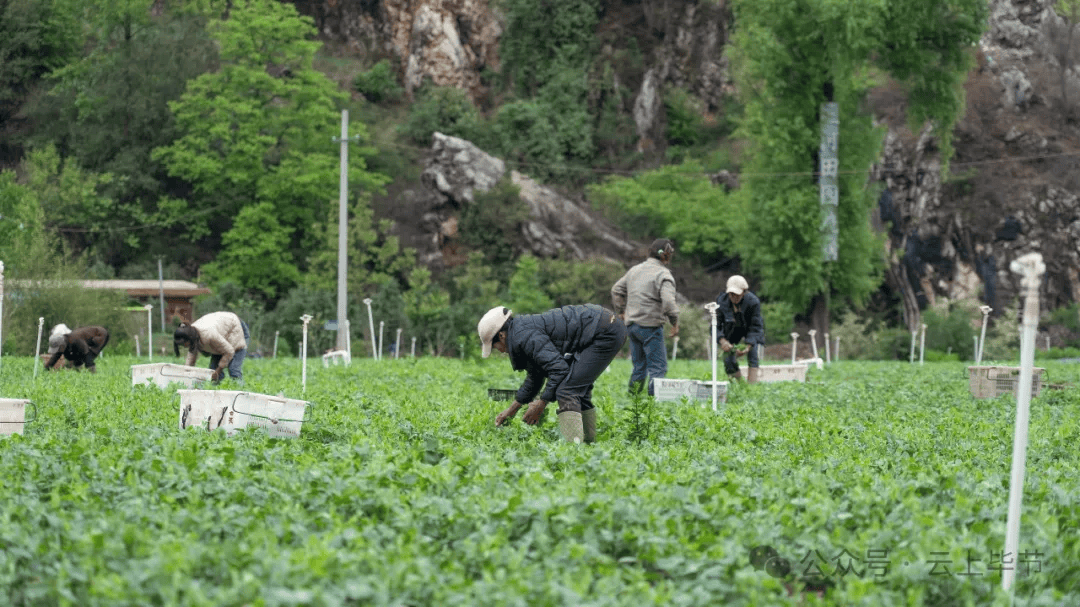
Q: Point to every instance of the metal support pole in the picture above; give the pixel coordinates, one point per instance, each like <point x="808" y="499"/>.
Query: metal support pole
<point x="836" y="353"/>
<point x="306" y="318"/>
<point x="348" y="338"/>
<point x="794" y="346"/>
<point x="911" y="355"/>
<point x="397" y="344"/>
<point x="381" y="324"/>
<point x="813" y="341"/>
<point x="1032" y="268"/>
<point x="37" y="350"/>
<point x="138" y="348"/>
<point x="413" y="353"/>
<point x="371" y="325"/>
<point x="276" y="333"/>
<point x="711" y="307"/>
<point x="828" y="358"/>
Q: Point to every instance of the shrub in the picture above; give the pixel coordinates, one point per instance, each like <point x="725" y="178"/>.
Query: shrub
<point x="444" y="109"/>
<point x="379" y="83"/>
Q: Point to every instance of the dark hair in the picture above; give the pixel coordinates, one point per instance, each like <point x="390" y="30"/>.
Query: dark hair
<point x="661" y="247"/>
<point x="185" y="333"/>
<point x="505" y="327"/>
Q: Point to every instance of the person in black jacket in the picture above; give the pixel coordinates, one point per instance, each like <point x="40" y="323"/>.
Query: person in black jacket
<point x="738" y="317"/>
<point x="80" y="347"/>
<point x="569" y="347"/>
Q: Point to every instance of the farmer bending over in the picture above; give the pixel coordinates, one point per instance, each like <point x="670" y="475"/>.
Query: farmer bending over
<point x="222" y="335"/>
<point x="538" y="344"/>
<point x="80" y="347"/>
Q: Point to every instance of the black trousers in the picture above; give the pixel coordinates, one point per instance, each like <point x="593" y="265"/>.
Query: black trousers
<point x="575" y="393"/>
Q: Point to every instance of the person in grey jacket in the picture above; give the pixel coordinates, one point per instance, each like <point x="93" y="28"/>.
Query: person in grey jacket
<point x="739" y="318"/>
<point x="645" y="297"/>
<point x="569" y="347"/>
<point x="222" y="335"/>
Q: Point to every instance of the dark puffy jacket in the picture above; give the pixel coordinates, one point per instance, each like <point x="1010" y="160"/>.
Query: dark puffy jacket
<point x="83" y="346"/>
<point x="749" y="311"/>
<point x="536" y="344"/>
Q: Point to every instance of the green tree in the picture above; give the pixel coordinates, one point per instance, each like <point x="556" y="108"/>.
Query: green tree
<point x="526" y="295"/>
<point x="790" y="56"/>
<point x="426" y="306"/>
<point x="36" y="37"/>
<point x="375" y="255"/>
<point x="678" y="202"/>
<point x="259" y="128"/>
<point x="255" y="254"/>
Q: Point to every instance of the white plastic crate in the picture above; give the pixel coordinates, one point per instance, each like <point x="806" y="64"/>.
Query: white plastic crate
<point x="163" y="374"/>
<point x="337" y="357"/>
<point x="13" y="415"/>
<point x="665" y="389"/>
<point x="774" y="373"/>
<point x="993" y="381"/>
<point x="232" y="410"/>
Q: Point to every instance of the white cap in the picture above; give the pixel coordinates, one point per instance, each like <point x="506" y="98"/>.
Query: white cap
<point x="737" y="284"/>
<point x="489" y="325"/>
<point x="57" y="342"/>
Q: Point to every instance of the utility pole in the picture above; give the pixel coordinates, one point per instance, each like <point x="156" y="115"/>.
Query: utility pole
<point x="343" y="226"/>
<point x="161" y="293"/>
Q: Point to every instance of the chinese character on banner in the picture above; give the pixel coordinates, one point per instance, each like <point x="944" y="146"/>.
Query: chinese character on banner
<point x="1028" y="559"/>
<point x="828" y="154"/>
<point x="969" y="561"/>
<point x="1000" y="561"/>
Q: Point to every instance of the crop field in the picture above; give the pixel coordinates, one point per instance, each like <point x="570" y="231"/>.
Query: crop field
<point x="871" y="484"/>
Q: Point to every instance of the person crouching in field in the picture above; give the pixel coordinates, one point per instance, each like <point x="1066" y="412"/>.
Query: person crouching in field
<point x="80" y="347"/>
<point x="569" y="347"/>
<point x="56" y="344"/>
<point x="739" y="316"/>
<point x="222" y="335"/>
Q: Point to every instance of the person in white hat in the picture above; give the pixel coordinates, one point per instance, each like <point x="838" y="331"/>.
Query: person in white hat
<point x="57" y="343"/>
<point x="80" y="347"/>
<point x="569" y="347"/>
<point x="739" y="318"/>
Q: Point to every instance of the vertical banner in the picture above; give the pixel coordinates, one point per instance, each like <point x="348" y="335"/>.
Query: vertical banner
<point x="830" y="164"/>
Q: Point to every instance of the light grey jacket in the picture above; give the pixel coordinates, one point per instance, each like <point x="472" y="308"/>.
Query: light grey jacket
<point x="219" y="333"/>
<point x="646" y="295"/>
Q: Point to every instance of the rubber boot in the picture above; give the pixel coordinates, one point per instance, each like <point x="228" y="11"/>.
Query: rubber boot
<point x="571" y="427"/>
<point x="751" y="377"/>
<point x="588" y="424"/>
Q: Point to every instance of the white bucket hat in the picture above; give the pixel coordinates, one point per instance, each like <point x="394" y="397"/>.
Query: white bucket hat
<point x="56" y="338"/>
<point x="489" y="325"/>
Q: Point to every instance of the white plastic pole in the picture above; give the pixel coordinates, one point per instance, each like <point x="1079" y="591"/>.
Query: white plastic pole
<point x="413" y="353"/>
<point x="381" y="324"/>
<point x="976" y="338"/>
<point x="138" y="348"/>
<point x="794" y="346"/>
<point x="306" y="318"/>
<point x="149" y="331"/>
<point x="711" y="307"/>
<point x="37" y="351"/>
<point x="1" y="308"/>
<point x="813" y="341"/>
<point x="911" y="357"/>
<point x="1047" y="343"/>
<point x="276" y="333"/>
<point x="161" y="292"/>
<point x="986" y="310"/>
<point x="397" y="344"/>
<point x="836" y="353"/>
<point x="348" y="338"/>
<point x="371" y="325"/>
<point x="922" y="343"/>
<point x="828" y="358"/>
<point x="675" y="348"/>
<point x="1032" y="268"/>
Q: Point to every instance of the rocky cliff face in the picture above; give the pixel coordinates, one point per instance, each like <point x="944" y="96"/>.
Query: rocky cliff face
<point x="1011" y="186"/>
